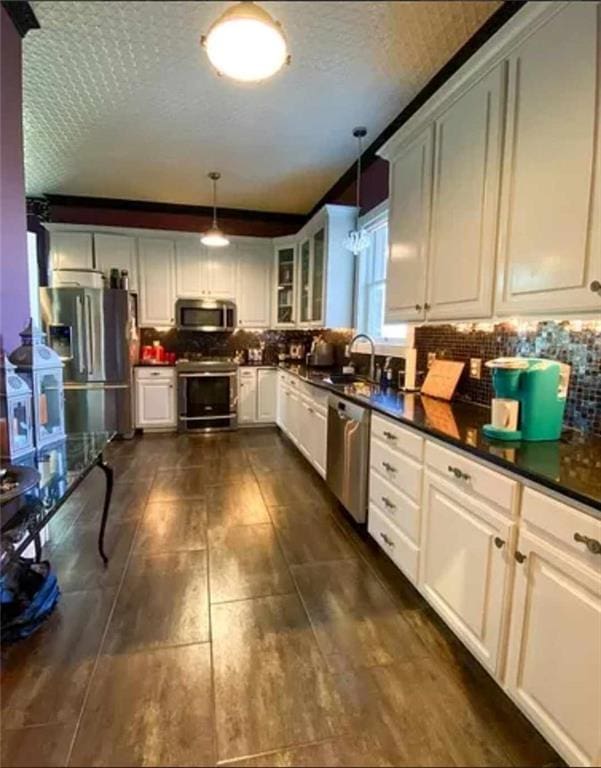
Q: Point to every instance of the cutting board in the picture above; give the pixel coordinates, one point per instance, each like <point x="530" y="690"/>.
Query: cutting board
<point x="442" y="379"/>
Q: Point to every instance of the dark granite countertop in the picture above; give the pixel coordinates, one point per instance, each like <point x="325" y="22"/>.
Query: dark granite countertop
<point x="153" y="365"/>
<point x="570" y="466"/>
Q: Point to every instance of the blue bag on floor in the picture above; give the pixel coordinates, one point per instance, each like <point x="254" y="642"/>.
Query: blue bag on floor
<point x="28" y="594"/>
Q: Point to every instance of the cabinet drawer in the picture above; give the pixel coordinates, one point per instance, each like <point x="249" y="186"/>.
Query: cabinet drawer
<point x="397" y="437"/>
<point x="562" y="522"/>
<point x="403" y="472"/>
<point x="400" y="550"/>
<point x="471" y="476"/>
<point x="403" y="512"/>
<point x="155" y="374"/>
<point x="247" y="373"/>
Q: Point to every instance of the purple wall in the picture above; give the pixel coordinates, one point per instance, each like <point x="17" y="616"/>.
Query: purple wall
<point x="14" y="295"/>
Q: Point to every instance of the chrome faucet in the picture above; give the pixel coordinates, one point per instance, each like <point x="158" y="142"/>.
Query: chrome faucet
<point x="372" y="357"/>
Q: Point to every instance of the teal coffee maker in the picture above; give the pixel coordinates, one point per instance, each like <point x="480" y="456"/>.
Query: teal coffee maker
<point x="530" y="398"/>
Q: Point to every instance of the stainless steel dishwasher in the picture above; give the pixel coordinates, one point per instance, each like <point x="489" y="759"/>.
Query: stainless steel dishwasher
<point x="348" y="454"/>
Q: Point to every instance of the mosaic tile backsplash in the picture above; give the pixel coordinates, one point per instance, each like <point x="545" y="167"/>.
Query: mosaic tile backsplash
<point x="579" y="346"/>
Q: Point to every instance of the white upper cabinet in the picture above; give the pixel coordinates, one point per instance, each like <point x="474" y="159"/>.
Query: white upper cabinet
<point x="285" y="276"/>
<point x="188" y="268"/>
<point x="254" y="284"/>
<point x="408" y="226"/>
<point x="117" y="252"/>
<point x="467" y="164"/>
<point x="203" y="272"/>
<point x="325" y="269"/>
<point x="550" y="246"/>
<point x="157" y="281"/>
<point x="220" y="271"/>
<point x="71" y="250"/>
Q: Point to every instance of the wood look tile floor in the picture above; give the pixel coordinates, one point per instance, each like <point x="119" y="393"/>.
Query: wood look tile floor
<point x="242" y="620"/>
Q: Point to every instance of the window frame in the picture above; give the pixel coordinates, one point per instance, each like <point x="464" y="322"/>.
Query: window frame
<point x="372" y="221"/>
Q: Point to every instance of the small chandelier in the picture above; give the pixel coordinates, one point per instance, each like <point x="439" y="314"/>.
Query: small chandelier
<point x="245" y="43"/>
<point x="358" y="240"/>
<point x="214" y="237"/>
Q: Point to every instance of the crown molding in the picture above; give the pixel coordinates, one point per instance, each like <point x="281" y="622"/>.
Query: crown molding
<point x="22" y="16"/>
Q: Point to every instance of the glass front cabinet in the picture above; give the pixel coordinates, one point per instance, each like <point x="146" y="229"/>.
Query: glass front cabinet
<point x="314" y="273"/>
<point x="285" y="284"/>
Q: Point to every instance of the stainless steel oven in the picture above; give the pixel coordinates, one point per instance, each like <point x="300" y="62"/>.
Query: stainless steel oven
<point x="207" y="397"/>
<point x="205" y="315"/>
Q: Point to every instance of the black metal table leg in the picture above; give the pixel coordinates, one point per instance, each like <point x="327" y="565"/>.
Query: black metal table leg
<point x="108" y="472"/>
<point x="37" y="546"/>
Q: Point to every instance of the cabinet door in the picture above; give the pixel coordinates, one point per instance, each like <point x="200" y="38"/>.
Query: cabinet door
<point x="155" y="403"/>
<point x="283" y="406"/>
<point x="293" y="416"/>
<point x="117" y="252"/>
<point x="157" y="294"/>
<point x="304" y="425"/>
<point x="551" y="200"/>
<point x="304" y="280"/>
<point x="318" y="276"/>
<point x="267" y="381"/>
<point x="254" y="286"/>
<point x="409" y="221"/>
<point x="319" y="428"/>
<point x="554" y="660"/>
<point x="463" y="569"/>
<point x="220" y="268"/>
<point x="247" y="396"/>
<point x="465" y="202"/>
<point x="71" y="250"/>
<point x="285" y="285"/>
<point x="188" y="269"/>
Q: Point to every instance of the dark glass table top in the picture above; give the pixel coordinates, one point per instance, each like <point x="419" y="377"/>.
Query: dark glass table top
<point x="570" y="465"/>
<point x="61" y="467"/>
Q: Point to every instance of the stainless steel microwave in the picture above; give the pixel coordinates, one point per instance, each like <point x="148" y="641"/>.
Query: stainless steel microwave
<point x="205" y="315"/>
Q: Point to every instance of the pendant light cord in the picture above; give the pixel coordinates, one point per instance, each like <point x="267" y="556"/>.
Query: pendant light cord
<point x="214" y="203"/>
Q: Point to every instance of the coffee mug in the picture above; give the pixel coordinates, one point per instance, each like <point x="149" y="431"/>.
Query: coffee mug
<point x="505" y="413"/>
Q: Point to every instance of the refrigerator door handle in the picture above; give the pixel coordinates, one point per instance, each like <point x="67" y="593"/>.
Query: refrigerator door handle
<point x="79" y="324"/>
<point x="91" y="342"/>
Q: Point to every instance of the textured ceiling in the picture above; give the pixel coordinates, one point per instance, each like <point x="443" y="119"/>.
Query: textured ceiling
<point x="120" y="101"/>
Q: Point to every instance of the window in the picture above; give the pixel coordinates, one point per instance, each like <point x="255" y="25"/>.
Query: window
<point x="371" y="282"/>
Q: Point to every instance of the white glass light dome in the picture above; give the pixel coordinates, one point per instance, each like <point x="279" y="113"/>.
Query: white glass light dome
<point x="246" y="44"/>
<point x="214" y="238"/>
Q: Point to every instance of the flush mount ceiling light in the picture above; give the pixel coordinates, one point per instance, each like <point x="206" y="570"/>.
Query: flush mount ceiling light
<point x="214" y="237"/>
<point x="357" y="241"/>
<point x="246" y="44"/>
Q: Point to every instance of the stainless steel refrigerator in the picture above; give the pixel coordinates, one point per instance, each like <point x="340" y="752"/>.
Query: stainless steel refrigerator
<point x="93" y="330"/>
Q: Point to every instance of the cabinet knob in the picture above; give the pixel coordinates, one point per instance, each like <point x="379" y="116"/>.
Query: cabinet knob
<point x="593" y="545"/>
<point x="499" y="543"/>
<point x="519" y="556"/>
<point x="389" y="435"/>
<point x="388" y="467"/>
<point x="387" y="502"/>
<point x="418" y="307"/>
<point x="389" y="542"/>
<point x="458" y="473"/>
<point x="427" y="306"/>
<point x="595" y="287"/>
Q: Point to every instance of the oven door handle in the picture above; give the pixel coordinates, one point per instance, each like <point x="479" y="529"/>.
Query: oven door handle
<point x="199" y="375"/>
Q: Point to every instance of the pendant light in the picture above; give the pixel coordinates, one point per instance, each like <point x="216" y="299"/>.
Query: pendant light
<point x="214" y="237"/>
<point x="357" y="240"/>
<point x="246" y="43"/>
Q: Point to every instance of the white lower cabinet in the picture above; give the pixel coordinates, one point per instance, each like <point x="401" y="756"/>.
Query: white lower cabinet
<point x="155" y="399"/>
<point x="267" y="382"/>
<point x="554" y="657"/>
<point x="302" y="416"/>
<point x="257" y="395"/>
<point x="247" y="396"/>
<point x="464" y="568"/>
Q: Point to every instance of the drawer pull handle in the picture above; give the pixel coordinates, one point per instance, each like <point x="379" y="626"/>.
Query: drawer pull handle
<point x="499" y="543"/>
<point x="388" y="503"/>
<point x="388" y="467"/>
<point x="389" y="542"/>
<point x="389" y="435"/>
<point x="593" y="545"/>
<point x="458" y="473"/>
<point x="519" y="556"/>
